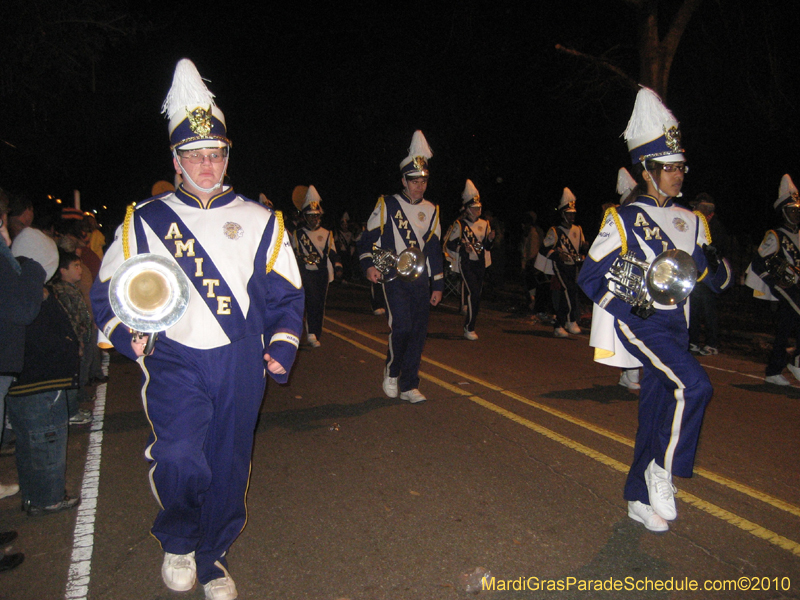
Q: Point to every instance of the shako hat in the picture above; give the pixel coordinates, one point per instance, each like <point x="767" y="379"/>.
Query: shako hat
<point x="652" y="132"/>
<point x="419" y="153"/>
<point x="470" y="196"/>
<point x="567" y="202"/>
<point x="195" y="121"/>
<point x="787" y="194"/>
<point x="311" y="203"/>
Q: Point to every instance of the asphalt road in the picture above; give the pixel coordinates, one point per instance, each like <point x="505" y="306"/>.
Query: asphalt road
<point x="514" y="464"/>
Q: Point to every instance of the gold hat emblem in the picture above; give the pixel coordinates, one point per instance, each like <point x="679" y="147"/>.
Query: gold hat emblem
<point x="420" y="163"/>
<point x="200" y="121"/>
<point x="673" y="138"/>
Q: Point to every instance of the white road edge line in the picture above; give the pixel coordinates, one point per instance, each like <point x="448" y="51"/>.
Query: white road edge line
<point x="83" y="539"/>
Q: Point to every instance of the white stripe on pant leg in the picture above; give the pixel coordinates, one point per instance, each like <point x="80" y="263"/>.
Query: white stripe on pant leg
<point x="680" y="401"/>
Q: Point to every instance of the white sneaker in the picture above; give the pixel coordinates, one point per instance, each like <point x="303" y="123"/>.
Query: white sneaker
<point x="629" y="378"/>
<point x="389" y="384"/>
<point x="379" y="311"/>
<point x="644" y="514"/>
<point x="221" y="589"/>
<point x="8" y="490"/>
<point x="777" y="380"/>
<point x="560" y="332"/>
<point x="179" y="571"/>
<point x="312" y="341"/>
<point x="412" y="396"/>
<point x="572" y="327"/>
<point x="470" y="335"/>
<point x="661" y="491"/>
<point x="794" y="371"/>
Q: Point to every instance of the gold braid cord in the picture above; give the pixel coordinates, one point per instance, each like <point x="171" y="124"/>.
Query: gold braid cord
<point x="126" y="228"/>
<point x="435" y="223"/>
<point x="278" y="243"/>
<point x="383" y="208"/>
<point x="612" y="211"/>
<point x="705" y="224"/>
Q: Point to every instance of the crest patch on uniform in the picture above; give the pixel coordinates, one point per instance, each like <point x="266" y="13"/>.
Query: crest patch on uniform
<point x="232" y="231"/>
<point x="680" y="224"/>
<point x="421" y="217"/>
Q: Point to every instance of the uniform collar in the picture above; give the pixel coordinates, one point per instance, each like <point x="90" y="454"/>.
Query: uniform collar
<point x="651" y="201"/>
<point x="225" y="197"/>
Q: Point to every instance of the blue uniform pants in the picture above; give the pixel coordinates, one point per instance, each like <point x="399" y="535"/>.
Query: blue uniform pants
<point x="316" y="287"/>
<point x="672" y="401"/>
<point x="472" y="273"/>
<point x="568" y="307"/>
<point x="408" y="308"/>
<point x="203" y="406"/>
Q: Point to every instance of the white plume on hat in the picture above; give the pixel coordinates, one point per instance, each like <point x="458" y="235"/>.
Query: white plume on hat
<point x="567" y="200"/>
<point x="649" y="121"/>
<point x="786" y="191"/>
<point x="419" y="149"/>
<point x="470" y="192"/>
<point x="187" y="93"/>
<point x="311" y="203"/>
<point x="35" y="245"/>
<point x="625" y="184"/>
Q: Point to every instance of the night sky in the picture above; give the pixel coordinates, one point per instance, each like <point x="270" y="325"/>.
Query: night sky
<point x="329" y="95"/>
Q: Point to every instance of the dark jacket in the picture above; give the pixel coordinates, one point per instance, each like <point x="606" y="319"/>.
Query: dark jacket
<point x="20" y="299"/>
<point x="52" y="360"/>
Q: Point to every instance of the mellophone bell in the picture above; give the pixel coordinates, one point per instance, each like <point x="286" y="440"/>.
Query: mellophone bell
<point x="408" y="265"/>
<point x="149" y="293"/>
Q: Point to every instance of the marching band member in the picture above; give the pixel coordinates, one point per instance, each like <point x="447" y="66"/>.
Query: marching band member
<point x="204" y="381"/>
<point x="674" y="387"/>
<point x="468" y="245"/>
<point x="626" y="188"/>
<point x="398" y="222"/>
<point x="318" y="262"/>
<point x="773" y="275"/>
<point x="565" y="246"/>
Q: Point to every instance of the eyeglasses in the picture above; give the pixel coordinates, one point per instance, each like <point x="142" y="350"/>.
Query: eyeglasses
<point x="674" y="167"/>
<point x="196" y="158"/>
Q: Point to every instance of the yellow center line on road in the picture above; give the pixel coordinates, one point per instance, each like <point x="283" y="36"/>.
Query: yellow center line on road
<point x="701" y="472"/>
<point x="712" y="509"/>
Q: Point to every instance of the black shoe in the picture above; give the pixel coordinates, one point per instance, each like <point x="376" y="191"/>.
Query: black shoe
<point x="66" y="504"/>
<point x="11" y="561"/>
<point x="6" y="537"/>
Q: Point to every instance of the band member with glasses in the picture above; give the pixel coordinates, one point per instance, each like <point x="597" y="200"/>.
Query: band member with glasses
<point x="674" y="386"/>
<point x="775" y="275"/>
<point x="318" y="261"/>
<point x="398" y="222"/>
<point x="565" y="246"/>
<point x="468" y="244"/>
<point x="204" y="381"/>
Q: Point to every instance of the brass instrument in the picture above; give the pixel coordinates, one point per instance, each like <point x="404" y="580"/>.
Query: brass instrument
<point x="408" y="265"/>
<point x="149" y="293"/>
<point x="312" y="259"/>
<point x="668" y="279"/>
<point x="779" y="267"/>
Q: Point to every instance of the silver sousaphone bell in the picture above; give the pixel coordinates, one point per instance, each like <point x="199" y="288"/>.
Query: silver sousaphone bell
<point x="668" y="280"/>
<point x="149" y="293"/>
<point x="408" y="265"/>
